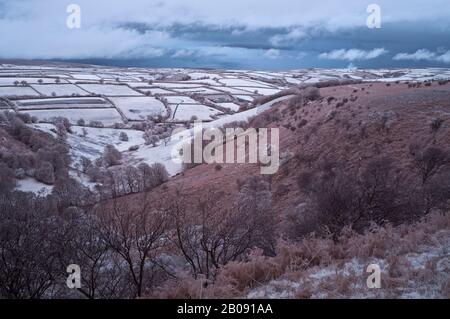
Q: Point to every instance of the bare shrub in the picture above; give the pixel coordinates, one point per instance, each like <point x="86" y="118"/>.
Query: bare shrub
<point x="111" y="156"/>
<point x="430" y="161"/>
<point x="123" y="137"/>
<point x="150" y="138"/>
<point x="209" y="235"/>
<point x="312" y="94"/>
<point x="138" y="236"/>
<point x="45" y="173"/>
<point x="7" y="180"/>
<point x="28" y="245"/>
<point x="346" y="198"/>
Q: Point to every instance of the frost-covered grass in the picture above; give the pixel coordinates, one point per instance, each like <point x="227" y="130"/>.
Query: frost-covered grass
<point x="231" y="90"/>
<point x="107" y="116"/>
<point x="176" y="99"/>
<point x="414" y="260"/>
<point x="231" y="106"/>
<point x="81" y="76"/>
<point x="261" y="91"/>
<point x="184" y="112"/>
<point x="173" y="85"/>
<point x="109" y="89"/>
<point x="58" y="89"/>
<point x="11" y="91"/>
<point x="154" y="91"/>
<point x="241" y="82"/>
<point x="31" y="80"/>
<point x="90" y="142"/>
<point x="139" y="108"/>
<point x="199" y="90"/>
<point x="31" y="185"/>
<point x="68" y="101"/>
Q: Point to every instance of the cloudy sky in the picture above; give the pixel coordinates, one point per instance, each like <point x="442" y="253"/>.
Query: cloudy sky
<point x="241" y="34"/>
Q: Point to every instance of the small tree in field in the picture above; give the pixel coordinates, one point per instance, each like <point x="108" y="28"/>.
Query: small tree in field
<point x="137" y="236"/>
<point x="150" y="138"/>
<point x="7" y="181"/>
<point x="111" y="156"/>
<point x="123" y="137"/>
<point x="430" y="161"/>
<point x="45" y="173"/>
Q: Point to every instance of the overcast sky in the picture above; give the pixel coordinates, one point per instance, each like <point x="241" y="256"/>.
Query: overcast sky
<point x="249" y="34"/>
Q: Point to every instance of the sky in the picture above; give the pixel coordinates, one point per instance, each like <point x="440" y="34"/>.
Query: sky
<point x="231" y="34"/>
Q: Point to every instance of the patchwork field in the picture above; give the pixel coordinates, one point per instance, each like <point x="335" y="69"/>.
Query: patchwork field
<point x="107" y="116"/>
<point x="59" y="89"/>
<point x="139" y="108"/>
<point x="136" y="109"/>
<point x="109" y="89"/>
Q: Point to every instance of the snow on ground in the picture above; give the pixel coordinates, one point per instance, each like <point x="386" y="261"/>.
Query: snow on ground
<point x="70" y="100"/>
<point x="200" y="75"/>
<point x="93" y="143"/>
<point x="90" y="142"/>
<point x="139" y="108"/>
<point x="10" y="91"/>
<point x="53" y="106"/>
<point x="231" y="106"/>
<point x="415" y="265"/>
<point x="262" y="91"/>
<point x="154" y="91"/>
<point x="199" y="90"/>
<point x="316" y="279"/>
<point x="34" y="80"/>
<point x="109" y="89"/>
<point x="107" y="116"/>
<point x="245" y="115"/>
<point x="31" y="185"/>
<point x="209" y="82"/>
<point x="176" y="99"/>
<point x="240" y="82"/>
<point x="79" y="76"/>
<point x="58" y="89"/>
<point x="248" y="98"/>
<point x="184" y="112"/>
<point x="174" y="85"/>
<point x="136" y="106"/>
<point x="231" y="90"/>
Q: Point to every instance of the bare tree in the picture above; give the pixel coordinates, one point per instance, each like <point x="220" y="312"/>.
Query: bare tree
<point x="45" y="173"/>
<point x="7" y="180"/>
<point x="150" y="138"/>
<point x="123" y="137"/>
<point x="28" y="234"/>
<point x="430" y="161"/>
<point x="209" y="235"/>
<point x="138" y="236"/>
<point x="111" y="156"/>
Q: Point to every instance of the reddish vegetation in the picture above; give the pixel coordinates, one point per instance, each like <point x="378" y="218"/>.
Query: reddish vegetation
<point x="342" y="131"/>
<point x="354" y="134"/>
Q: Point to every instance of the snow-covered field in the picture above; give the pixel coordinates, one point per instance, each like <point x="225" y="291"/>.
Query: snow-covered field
<point x="180" y="99"/>
<point x="154" y="91"/>
<point x="31" y="185"/>
<point x="139" y="108"/>
<point x="128" y="94"/>
<point x="59" y="89"/>
<point x="10" y="91"/>
<point x="107" y="116"/>
<point x="184" y="112"/>
<point x="109" y="89"/>
<point x="231" y="106"/>
<point x="29" y="80"/>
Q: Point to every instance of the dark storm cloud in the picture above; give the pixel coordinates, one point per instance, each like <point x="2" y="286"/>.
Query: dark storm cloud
<point x="234" y="33"/>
